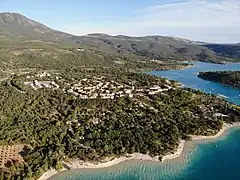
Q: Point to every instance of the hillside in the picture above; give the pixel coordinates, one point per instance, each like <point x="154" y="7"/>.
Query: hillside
<point x="28" y="44"/>
<point x="228" y="50"/>
<point x="155" y="47"/>
<point x="15" y="28"/>
<point x="231" y="78"/>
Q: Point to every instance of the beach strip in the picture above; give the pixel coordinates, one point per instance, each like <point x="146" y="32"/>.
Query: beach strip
<point x="77" y="164"/>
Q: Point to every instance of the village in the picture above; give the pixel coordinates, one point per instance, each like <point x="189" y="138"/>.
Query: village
<point x="95" y="87"/>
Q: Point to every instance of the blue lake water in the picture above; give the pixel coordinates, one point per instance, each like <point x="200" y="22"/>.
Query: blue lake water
<point x="208" y="160"/>
<point x="189" y="78"/>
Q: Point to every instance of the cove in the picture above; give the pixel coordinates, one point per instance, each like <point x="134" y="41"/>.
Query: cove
<point x="188" y="77"/>
<point x="211" y="159"/>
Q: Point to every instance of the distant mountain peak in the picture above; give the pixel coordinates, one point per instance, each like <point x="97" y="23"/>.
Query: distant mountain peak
<point x="8" y="18"/>
<point x="15" y="25"/>
<point x="10" y="14"/>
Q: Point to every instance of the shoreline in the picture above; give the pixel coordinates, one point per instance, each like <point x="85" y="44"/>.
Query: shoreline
<point x="219" y="134"/>
<point x="78" y="164"/>
<point x="50" y="173"/>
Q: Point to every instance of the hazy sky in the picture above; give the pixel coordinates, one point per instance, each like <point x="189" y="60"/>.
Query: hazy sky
<point x="204" y="20"/>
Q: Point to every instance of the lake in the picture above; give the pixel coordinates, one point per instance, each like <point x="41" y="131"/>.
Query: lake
<point x="213" y="159"/>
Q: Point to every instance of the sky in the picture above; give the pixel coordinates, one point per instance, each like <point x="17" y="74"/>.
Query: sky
<point x="203" y="20"/>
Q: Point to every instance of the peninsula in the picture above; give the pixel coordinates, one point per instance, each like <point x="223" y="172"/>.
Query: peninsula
<point x="230" y="78"/>
<point x="93" y="115"/>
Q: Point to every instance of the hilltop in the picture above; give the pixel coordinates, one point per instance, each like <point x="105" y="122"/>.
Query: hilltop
<point x="14" y="25"/>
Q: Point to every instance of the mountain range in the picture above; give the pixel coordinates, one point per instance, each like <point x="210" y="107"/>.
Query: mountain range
<point x="16" y="30"/>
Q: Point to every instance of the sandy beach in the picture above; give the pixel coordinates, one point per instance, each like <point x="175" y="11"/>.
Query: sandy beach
<point x="78" y="164"/>
<point x="177" y="153"/>
<point x="50" y="173"/>
<point x="75" y="164"/>
<point x="219" y="134"/>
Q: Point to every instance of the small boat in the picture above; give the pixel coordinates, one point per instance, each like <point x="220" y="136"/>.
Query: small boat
<point x="222" y="96"/>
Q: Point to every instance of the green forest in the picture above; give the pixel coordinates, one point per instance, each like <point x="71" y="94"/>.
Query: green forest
<point x="57" y="126"/>
<point x="231" y="78"/>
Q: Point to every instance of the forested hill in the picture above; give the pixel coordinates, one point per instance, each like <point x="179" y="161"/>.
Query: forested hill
<point x="231" y="78"/>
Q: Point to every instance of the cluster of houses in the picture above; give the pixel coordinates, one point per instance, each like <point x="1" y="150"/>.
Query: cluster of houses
<point x="42" y="84"/>
<point x="97" y="87"/>
<point x="100" y="88"/>
<point x="43" y="74"/>
<point x="158" y="89"/>
<point x="35" y="84"/>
